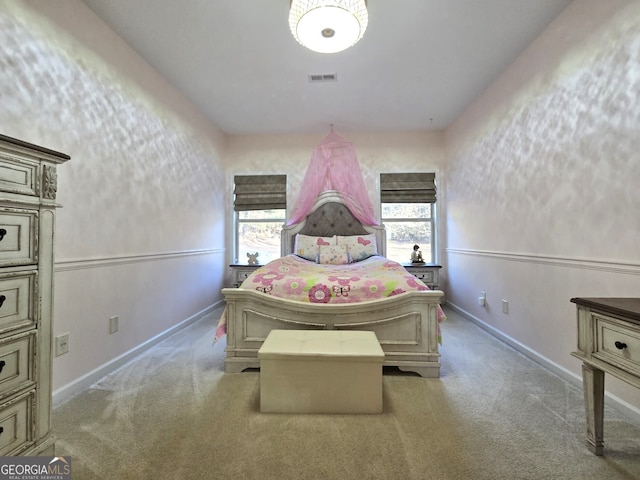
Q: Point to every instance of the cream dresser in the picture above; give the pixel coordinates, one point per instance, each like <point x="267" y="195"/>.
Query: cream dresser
<point x="608" y="342"/>
<point x="28" y="185"/>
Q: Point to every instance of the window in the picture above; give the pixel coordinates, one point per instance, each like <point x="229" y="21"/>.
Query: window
<point x="259" y="231"/>
<point x="408" y="213"/>
<point x="408" y="224"/>
<point x="260" y="210"/>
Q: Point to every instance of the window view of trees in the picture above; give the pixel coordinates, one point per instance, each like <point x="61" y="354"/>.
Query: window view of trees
<point x="259" y="231"/>
<point x="408" y="224"/>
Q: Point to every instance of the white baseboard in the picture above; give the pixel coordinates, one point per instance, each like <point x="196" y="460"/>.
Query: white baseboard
<point x="67" y="391"/>
<point x="627" y="410"/>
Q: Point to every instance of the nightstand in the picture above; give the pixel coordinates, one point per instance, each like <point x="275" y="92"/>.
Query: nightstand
<point x="239" y="273"/>
<point x="427" y="272"/>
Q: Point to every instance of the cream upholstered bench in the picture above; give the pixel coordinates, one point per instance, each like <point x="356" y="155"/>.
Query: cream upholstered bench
<point x="321" y="371"/>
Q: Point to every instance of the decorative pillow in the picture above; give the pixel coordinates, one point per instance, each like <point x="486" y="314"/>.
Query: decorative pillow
<point x="359" y="247"/>
<point x="333" y="254"/>
<point x="308" y="247"/>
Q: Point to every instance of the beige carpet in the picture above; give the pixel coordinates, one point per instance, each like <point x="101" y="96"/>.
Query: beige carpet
<point x="173" y="414"/>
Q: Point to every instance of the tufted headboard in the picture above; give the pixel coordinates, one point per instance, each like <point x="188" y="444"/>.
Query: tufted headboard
<point x="330" y="216"/>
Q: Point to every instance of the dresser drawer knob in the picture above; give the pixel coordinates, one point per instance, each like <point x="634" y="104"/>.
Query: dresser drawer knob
<point x="620" y="345"/>
<point x="3" y="232"/>
<point x="2" y="299"/>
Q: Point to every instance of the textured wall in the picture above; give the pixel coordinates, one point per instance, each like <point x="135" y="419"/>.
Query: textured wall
<point x="542" y="198"/>
<point x="143" y="194"/>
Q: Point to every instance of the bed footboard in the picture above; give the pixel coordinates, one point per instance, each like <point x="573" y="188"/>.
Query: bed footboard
<point x="406" y="326"/>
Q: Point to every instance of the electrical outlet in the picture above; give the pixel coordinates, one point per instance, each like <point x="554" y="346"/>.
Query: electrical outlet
<point x="62" y="344"/>
<point x="482" y="299"/>
<point x="505" y="307"/>
<point x="113" y="324"/>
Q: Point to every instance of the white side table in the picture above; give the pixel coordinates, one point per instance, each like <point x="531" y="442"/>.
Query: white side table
<point x="608" y="341"/>
<point x="241" y="272"/>
<point x="427" y="272"/>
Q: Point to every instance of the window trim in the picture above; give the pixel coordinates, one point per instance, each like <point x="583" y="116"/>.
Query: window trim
<point x="433" y="220"/>
<point x="273" y="190"/>
<point x="237" y="222"/>
<point x="427" y="195"/>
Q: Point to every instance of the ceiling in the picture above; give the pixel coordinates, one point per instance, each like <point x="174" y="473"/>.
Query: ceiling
<point x="418" y="66"/>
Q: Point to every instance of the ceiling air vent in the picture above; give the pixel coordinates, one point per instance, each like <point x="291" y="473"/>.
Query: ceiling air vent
<point x="323" y="77"/>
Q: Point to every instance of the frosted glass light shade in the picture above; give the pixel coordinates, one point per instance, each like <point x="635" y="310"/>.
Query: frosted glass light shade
<point x="328" y="26"/>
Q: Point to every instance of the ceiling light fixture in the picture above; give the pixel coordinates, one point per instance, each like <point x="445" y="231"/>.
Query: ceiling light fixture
<point x="328" y="26"/>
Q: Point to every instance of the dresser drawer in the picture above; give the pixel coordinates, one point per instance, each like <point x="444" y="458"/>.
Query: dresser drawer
<point x="16" y="355"/>
<point x="426" y="277"/>
<point x="242" y="275"/>
<point x="617" y="343"/>
<point x="427" y="273"/>
<point x="241" y="272"/>
<point x="17" y="176"/>
<point x="17" y="300"/>
<point x="16" y="432"/>
<point x="18" y="237"/>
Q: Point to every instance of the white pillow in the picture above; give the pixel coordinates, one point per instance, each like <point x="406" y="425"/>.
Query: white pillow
<point x="308" y="247"/>
<point x="333" y="254"/>
<point x="359" y="247"/>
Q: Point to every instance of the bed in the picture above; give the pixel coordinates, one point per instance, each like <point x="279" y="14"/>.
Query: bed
<point x="405" y="318"/>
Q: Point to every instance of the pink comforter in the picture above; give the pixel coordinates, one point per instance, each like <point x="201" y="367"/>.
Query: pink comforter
<point x="295" y="278"/>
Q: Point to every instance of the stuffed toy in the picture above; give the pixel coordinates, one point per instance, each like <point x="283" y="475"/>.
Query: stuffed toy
<point x="253" y="258"/>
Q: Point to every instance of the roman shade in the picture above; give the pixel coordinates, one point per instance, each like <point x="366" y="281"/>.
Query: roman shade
<point x="408" y="187"/>
<point x="259" y="192"/>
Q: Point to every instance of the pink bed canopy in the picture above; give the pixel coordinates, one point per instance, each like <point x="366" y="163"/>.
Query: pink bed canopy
<point x="334" y="166"/>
